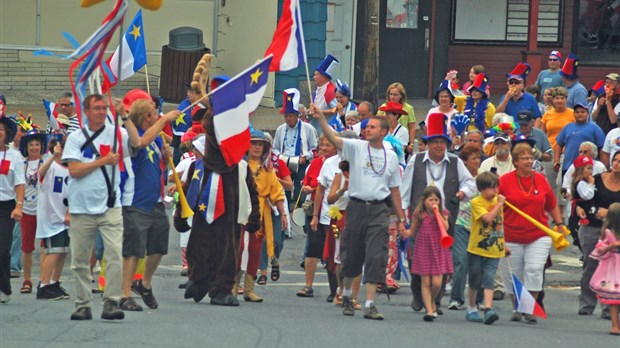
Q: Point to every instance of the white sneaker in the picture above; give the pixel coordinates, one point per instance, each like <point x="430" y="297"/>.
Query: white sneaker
<point x="4" y="298"/>
<point x="455" y="305"/>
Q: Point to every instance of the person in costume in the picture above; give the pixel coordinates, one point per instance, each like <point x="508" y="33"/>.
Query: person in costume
<point x="445" y="103"/>
<point x="393" y="112"/>
<point x="515" y="99"/>
<point x="342" y="104"/>
<point x="396" y="93"/>
<point x="577" y="93"/>
<point x="325" y="92"/>
<point x="477" y="105"/>
<point x="473" y="74"/>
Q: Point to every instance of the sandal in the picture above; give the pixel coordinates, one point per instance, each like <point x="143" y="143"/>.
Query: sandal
<point x="26" y="287"/>
<point x="305" y="292"/>
<point x="275" y="272"/>
<point x="262" y="280"/>
<point x="357" y="306"/>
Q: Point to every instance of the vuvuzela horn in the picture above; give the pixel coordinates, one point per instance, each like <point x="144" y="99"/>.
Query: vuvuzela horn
<point x="186" y="211"/>
<point x="446" y="240"/>
<point x="559" y="240"/>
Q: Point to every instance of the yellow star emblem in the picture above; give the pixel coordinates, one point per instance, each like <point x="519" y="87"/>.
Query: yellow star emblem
<point x="202" y="207"/>
<point x="135" y="32"/>
<point x="289" y="98"/>
<point x="150" y="153"/>
<point x="180" y="119"/>
<point x="195" y="176"/>
<point x="255" y="75"/>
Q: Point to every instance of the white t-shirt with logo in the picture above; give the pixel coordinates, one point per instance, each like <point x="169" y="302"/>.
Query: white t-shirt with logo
<point x="31" y="190"/>
<point x="14" y="175"/>
<point x="612" y="143"/>
<point x="326" y="178"/>
<point x="51" y="208"/>
<point x="372" y="171"/>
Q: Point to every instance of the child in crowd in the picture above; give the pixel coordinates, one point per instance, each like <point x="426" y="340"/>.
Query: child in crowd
<point x="535" y="91"/>
<point x="486" y="245"/>
<point x="605" y="279"/>
<point x="430" y="260"/>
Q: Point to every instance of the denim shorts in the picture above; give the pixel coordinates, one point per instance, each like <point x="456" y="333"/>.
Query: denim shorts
<point x="481" y="271"/>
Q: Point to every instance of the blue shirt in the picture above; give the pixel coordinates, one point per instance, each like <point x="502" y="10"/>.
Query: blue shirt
<point x="526" y="102"/>
<point x="577" y="93"/>
<point x="547" y="79"/>
<point x="149" y="173"/>
<point x="573" y="135"/>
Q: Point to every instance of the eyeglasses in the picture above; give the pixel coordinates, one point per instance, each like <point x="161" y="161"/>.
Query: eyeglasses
<point x="65" y="105"/>
<point x="553" y="60"/>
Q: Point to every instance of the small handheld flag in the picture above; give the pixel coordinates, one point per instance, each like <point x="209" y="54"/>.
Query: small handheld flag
<point x="524" y="301"/>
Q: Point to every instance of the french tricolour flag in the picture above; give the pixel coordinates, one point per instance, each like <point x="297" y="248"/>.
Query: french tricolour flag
<point x="134" y="54"/>
<point x="52" y="113"/>
<point x="524" y="300"/>
<point x="287" y="45"/>
<point x="211" y="204"/>
<point x="232" y="104"/>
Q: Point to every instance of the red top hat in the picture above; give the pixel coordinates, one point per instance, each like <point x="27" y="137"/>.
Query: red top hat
<point x="569" y="70"/>
<point x="436" y="127"/>
<point x="520" y="71"/>
<point x="599" y="87"/>
<point x="394" y="108"/>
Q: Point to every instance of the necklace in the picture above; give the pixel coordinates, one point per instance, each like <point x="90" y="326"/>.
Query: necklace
<point x="529" y="191"/>
<point x="443" y="169"/>
<point x="33" y="179"/>
<point x="382" y="170"/>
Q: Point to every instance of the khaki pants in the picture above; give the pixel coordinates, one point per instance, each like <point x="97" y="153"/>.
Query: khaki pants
<point x="83" y="228"/>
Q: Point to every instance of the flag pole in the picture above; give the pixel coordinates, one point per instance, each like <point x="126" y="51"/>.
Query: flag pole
<point x="148" y="85"/>
<point x="118" y="90"/>
<point x="303" y="48"/>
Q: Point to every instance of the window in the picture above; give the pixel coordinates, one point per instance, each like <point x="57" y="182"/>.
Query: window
<point x="597" y="39"/>
<point x="504" y="21"/>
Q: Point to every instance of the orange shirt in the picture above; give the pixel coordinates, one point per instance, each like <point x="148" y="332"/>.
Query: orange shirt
<point x="556" y="121"/>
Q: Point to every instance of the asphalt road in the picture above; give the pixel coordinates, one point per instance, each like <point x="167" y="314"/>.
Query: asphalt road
<point x="284" y="320"/>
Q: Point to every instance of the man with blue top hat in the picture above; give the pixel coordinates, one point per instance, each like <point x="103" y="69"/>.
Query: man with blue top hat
<point x="436" y="166"/>
<point x="577" y="93"/>
<point x="515" y="98"/>
<point x="325" y="91"/>
<point x="294" y="141"/>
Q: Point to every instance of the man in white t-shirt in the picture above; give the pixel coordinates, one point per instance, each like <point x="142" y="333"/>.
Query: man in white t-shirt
<point x="611" y="146"/>
<point x="373" y="185"/>
<point x="94" y="203"/>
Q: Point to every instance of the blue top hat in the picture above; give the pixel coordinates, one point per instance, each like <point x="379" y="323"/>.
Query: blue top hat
<point x="327" y="66"/>
<point x="444" y="86"/>
<point x="290" y="101"/>
<point x="216" y="81"/>
<point x="28" y="137"/>
<point x="480" y="84"/>
<point x="343" y="88"/>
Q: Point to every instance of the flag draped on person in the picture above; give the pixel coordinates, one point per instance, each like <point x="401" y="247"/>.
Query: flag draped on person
<point x="134" y="55"/>
<point x="287" y="45"/>
<point x="524" y="301"/>
<point x="211" y="204"/>
<point x="52" y="113"/>
<point x="232" y="103"/>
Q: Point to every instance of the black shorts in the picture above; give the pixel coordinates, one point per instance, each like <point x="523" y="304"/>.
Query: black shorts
<point x="57" y="244"/>
<point x="316" y="242"/>
<point x="145" y="233"/>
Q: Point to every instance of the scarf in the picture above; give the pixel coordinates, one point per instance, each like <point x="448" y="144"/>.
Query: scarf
<point x="477" y="114"/>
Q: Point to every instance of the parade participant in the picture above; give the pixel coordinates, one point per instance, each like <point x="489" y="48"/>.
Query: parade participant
<point x="530" y="192"/>
<point x="607" y="273"/>
<point x="515" y="99"/>
<point x="53" y="222"/>
<point x="470" y="155"/>
<point x="396" y="93"/>
<point x="315" y="239"/>
<point x="486" y="246"/>
<point x="444" y="99"/>
<point x="394" y="111"/>
<point x="501" y="162"/>
<point x="181" y="125"/>
<point x="554" y="120"/>
<point x="16" y="247"/>
<point x="542" y="148"/>
<point x="365" y="111"/>
<point x="577" y="93"/>
<point x="549" y="78"/>
<point x="294" y="141"/>
<point x="477" y="105"/>
<point x="588" y="149"/>
<point x="351" y="118"/>
<point x="611" y="146"/>
<point x="12" y="183"/>
<point x="32" y="146"/>
<point x="605" y="114"/>
<point x="444" y="170"/>
<point x="605" y="192"/>
<point x="375" y="179"/>
<point x="430" y="261"/>
<point x="145" y="222"/>
<point x="67" y="108"/>
<point x="325" y="91"/>
<point x="473" y="74"/>
<point x="94" y="203"/>
<point x="342" y="104"/>
<point x="270" y="194"/>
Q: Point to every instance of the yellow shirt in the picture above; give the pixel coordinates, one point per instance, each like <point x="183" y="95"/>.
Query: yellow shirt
<point x="556" y="121"/>
<point x="267" y="183"/>
<point x="486" y="240"/>
<point x="461" y="100"/>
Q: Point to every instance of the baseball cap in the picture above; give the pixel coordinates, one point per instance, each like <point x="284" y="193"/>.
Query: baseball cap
<point x="501" y="136"/>
<point x="580" y="105"/>
<point x="524" y="117"/>
<point x="556" y="54"/>
<point x="613" y="76"/>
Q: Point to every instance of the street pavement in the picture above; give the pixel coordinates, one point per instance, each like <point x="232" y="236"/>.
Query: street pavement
<point x="285" y="320"/>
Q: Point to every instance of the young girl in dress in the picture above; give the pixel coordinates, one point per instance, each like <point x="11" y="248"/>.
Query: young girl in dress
<point x="430" y="260"/>
<point x="605" y="281"/>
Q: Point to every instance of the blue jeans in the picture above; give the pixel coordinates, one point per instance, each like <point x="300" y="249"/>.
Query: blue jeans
<point x="459" y="261"/>
<point x="278" y="242"/>
<point x="98" y="245"/>
<point x="16" y="249"/>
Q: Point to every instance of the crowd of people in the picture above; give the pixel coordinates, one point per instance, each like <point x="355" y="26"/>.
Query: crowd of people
<point x="450" y="200"/>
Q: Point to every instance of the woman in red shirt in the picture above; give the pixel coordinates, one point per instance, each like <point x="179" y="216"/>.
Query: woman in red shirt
<point x="529" y="191"/>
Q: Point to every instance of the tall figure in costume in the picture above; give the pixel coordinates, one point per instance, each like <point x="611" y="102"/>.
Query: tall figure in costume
<point x="325" y="92"/>
<point x="213" y="245"/>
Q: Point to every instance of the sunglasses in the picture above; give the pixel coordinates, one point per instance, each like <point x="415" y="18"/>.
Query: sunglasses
<point x="553" y="60"/>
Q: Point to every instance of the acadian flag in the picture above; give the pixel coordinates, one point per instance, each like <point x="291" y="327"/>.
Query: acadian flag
<point x="232" y="104"/>
<point x="211" y="204"/>
<point x="51" y="109"/>
<point x="287" y="45"/>
<point x="134" y="54"/>
<point x="525" y="301"/>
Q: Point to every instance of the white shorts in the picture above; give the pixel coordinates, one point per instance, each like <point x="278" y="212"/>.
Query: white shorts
<point x="527" y="262"/>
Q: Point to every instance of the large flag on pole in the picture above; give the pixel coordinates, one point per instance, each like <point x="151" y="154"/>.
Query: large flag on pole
<point x="287" y="45"/>
<point x="232" y="103"/>
<point x="524" y="301"/>
<point x="134" y="54"/>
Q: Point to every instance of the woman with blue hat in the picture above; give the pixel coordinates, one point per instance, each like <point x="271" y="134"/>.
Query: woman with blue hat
<point x="342" y="104"/>
<point x="477" y="106"/>
<point x="11" y="198"/>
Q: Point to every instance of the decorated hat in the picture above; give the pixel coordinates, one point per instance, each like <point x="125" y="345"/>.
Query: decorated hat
<point x="480" y="84"/>
<point x="133" y="95"/>
<point x="343" y="88"/>
<point x="436" y="127"/>
<point x="569" y="69"/>
<point x="446" y="85"/>
<point x="394" y="108"/>
<point x="290" y="101"/>
<point x="556" y="54"/>
<point x="520" y="71"/>
<point x="327" y="66"/>
<point x="522" y="138"/>
<point x="33" y="134"/>
<point x="583" y="161"/>
<point x="216" y="81"/>
<point x="11" y="128"/>
<point x="599" y="88"/>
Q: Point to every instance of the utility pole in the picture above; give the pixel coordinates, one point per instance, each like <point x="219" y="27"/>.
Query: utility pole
<point x="370" y="83"/>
